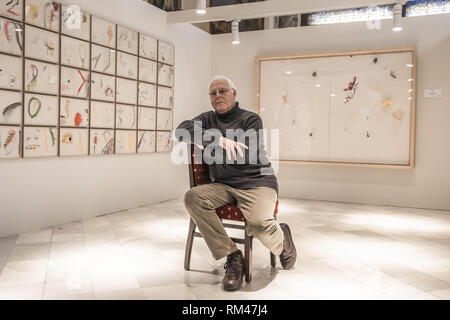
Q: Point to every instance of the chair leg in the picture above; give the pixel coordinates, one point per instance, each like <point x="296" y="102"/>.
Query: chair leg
<point x="273" y="260"/>
<point x="189" y="243"/>
<point x="248" y="257"/>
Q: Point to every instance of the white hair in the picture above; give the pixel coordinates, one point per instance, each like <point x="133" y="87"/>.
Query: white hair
<point x="218" y="77"/>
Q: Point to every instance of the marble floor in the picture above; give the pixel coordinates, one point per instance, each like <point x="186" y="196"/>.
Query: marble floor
<point x="346" y="251"/>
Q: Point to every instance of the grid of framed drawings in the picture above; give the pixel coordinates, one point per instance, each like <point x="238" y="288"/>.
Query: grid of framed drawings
<point x="74" y="84"/>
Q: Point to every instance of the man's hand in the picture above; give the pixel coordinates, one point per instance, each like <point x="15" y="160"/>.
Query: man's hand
<point x="231" y="146"/>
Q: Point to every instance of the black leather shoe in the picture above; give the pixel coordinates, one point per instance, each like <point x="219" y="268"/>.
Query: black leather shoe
<point x="234" y="271"/>
<point x="289" y="254"/>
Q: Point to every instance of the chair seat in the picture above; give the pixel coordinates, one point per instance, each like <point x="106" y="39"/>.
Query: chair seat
<point x="232" y="212"/>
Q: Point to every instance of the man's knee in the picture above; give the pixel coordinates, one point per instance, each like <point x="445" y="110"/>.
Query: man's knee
<point x="195" y="197"/>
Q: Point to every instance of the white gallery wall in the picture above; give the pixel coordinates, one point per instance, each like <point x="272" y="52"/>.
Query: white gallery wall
<point x="37" y="193"/>
<point x="425" y="186"/>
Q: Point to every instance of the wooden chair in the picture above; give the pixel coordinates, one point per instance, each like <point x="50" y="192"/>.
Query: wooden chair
<point x="198" y="175"/>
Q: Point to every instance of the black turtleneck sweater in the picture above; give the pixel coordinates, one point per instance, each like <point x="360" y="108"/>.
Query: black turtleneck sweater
<point x="242" y="173"/>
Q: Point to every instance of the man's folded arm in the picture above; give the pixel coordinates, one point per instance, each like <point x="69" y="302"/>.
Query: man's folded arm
<point x="193" y="131"/>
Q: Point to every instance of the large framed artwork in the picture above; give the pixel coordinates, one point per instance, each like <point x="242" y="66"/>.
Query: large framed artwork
<point x="351" y="108"/>
<point x="73" y="84"/>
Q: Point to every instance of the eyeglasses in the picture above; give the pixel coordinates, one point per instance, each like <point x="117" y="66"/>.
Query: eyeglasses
<point x="221" y="91"/>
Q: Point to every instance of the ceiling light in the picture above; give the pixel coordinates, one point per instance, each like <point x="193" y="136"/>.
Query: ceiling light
<point x="235" y="31"/>
<point x="288" y="72"/>
<point x="397" y="16"/>
<point x="201" y="6"/>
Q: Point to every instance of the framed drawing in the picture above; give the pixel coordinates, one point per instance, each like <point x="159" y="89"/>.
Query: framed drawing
<point x="165" y="97"/>
<point x="41" y="110"/>
<point x="147" y="94"/>
<point x="126" y="91"/>
<point x="127" y="40"/>
<point x="40" y="142"/>
<point x="126" y="116"/>
<point x="74" y="82"/>
<point x="352" y="108"/>
<point x="74" y="53"/>
<point x="42" y="45"/>
<point x="74" y="112"/>
<point x="164" y="119"/>
<point x="163" y="142"/>
<point x="75" y="23"/>
<point x="147" y="118"/>
<point x="12" y="9"/>
<point x="74" y="142"/>
<point x="165" y="75"/>
<point x="41" y="77"/>
<point x="103" y="32"/>
<point x="146" y="141"/>
<point x="103" y="59"/>
<point x="102" y="87"/>
<point x="148" y="47"/>
<point x="101" y="142"/>
<point x="43" y="13"/>
<point x="126" y="65"/>
<point x="11" y="40"/>
<point x="147" y="70"/>
<point x="9" y="142"/>
<point x="166" y="54"/>
<point x="10" y="107"/>
<point x="11" y="72"/>
<point x="102" y="114"/>
<point x="125" y="141"/>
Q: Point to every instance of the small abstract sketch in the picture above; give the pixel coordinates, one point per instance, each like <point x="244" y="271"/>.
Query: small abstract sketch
<point x="41" y="77"/>
<point x="164" y="120"/>
<point x="74" y="82"/>
<point x="103" y="59"/>
<point x="9" y="142"/>
<point x="165" y="75"/>
<point x="386" y="103"/>
<point x="125" y="117"/>
<point x="12" y="9"/>
<point x="166" y="53"/>
<point x="146" y="141"/>
<point x="147" y="94"/>
<point x="40" y="142"/>
<point x="103" y="87"/>
<point x="74" y="112"/>
<point x="126" y="65"/>
<point x="147" y="118"/>
<point x="103" y="32"/>
<point x="10" y="72"/>
<point x="398" y="114"/>
<point x="43" y="13"/>
<point x="125" y="141"/>
<point x="102" y="114"/>
<point x="148" y="47"/>
<point x="126" y="91"/>
<point x="127" y="40"/>
<point x="73" y="142"/>
<point x="350" y="90"/>
<point x="11" y="39"/>
<point x="163" y="142"/>
<point x="40" y="44"/>
<point x="147" y="70"/>
<point x="74" y="53"/>
<point x="75" y="23"/>
<point x="41" y="110"/>
<point x="10" y="107"/>
<point x="102" y="142"/>
<point x="165" y="97"/>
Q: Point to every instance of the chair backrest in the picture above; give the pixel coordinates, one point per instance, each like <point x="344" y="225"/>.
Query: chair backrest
<point x="198" y="170"/>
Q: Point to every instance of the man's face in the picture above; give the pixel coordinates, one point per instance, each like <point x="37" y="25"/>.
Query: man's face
<point x="221" y="102"/>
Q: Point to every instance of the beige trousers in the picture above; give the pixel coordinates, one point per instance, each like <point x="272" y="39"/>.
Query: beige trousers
<point x="257" y="206"/>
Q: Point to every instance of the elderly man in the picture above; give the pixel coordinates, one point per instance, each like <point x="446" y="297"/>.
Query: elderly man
<point x="252" y="184"/>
